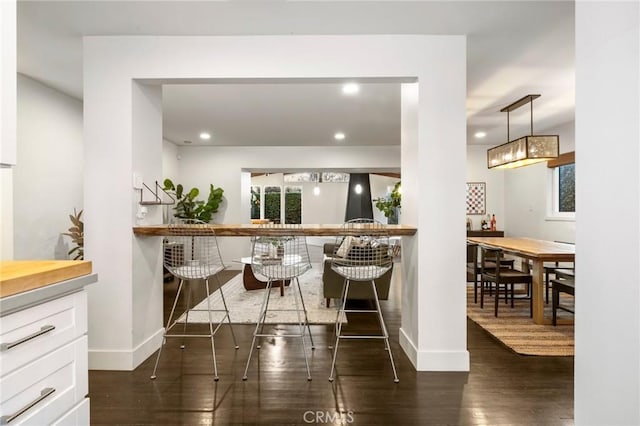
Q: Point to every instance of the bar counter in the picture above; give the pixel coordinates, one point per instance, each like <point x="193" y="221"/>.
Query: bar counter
<point x="250" y="230"/>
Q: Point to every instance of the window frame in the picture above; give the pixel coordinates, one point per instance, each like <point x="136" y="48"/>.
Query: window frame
<point x="553" y="188"/>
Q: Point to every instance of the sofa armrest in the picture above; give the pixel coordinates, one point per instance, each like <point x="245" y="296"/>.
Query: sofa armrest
<point x="329" y="249"/>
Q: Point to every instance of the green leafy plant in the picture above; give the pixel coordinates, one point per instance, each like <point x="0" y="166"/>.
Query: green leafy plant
<point x="189" y="207"/>
<point x="388" y="205"/>
<point x="76" y="232"/>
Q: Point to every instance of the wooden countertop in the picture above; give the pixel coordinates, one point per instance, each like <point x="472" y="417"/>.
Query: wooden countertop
<point x="17" y="276"/>
<point x="249" y="230"/>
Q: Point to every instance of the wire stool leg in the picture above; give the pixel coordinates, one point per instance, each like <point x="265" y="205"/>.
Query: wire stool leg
<point x="263" y="317"/>
<point x="226" y="309"/>
<point x="186" y="319"/>
<point x="302" y="329"/>
<point x="213" y="347"/>
<point x="164" y="339"/>
<point x="262" y="314"/>
<point x="338" y="315"/>
<point x="339" y="331"/>
<point x="306" y="318"/>
<point x="384" y="331"/>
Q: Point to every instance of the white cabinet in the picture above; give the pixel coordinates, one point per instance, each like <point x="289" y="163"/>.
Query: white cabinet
<point x="44" y="363"/>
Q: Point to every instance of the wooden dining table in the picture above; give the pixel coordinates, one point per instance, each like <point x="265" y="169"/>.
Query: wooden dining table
<point x="538" y="251"/>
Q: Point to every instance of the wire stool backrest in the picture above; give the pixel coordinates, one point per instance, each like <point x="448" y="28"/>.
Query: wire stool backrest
<point x="191" y="250"/>
<point x="362" y="252"/>
<point x="281" y="253"/>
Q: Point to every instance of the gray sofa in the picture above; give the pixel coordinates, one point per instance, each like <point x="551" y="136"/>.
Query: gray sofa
<point x="333" y="283"/>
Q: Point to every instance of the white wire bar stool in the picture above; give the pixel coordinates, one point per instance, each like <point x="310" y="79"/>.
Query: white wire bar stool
<point x="362" y="254"/>
<point x="191" y="254"/>
<point x="279" y="255"/>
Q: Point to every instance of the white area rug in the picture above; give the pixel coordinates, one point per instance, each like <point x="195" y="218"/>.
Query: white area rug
<point x="244" y="306"/>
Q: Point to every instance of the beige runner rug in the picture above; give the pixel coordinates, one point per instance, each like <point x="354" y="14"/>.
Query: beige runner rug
<point x="244" y="306"/>
<point x="516" y="330"/>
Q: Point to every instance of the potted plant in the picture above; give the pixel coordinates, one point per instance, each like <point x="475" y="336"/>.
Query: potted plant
<point x="76" y="232"/>
<point x="390" y="204"/>
<point x="189" y="207"/>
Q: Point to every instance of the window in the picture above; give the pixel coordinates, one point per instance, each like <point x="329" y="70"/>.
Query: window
<point x="272" y="203"/>
<point x="302" y="177"/>
<point x="335" y="177"/>
<point x="293" y="204"/>
<point x="567" y="188"/>
<point x="255" y="202"/>
<point x="562" y="192"/>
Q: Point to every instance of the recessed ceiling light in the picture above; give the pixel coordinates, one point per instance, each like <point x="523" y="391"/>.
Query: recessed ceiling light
<point x="480" y="135"/>
<point x="205" y="136"/>
<point x="350" y="88"/>
<point x="339" y="136"/>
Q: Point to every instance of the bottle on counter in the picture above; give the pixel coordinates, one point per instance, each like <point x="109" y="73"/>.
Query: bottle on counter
<point x="493" y="222"/>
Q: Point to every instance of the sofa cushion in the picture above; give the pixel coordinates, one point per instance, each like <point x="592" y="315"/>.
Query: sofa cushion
<point x="346" y="245"/>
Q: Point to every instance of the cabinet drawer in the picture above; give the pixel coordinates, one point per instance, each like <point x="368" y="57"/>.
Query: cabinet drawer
<point x="44" y="390"/>
<point x="78" y="416"/>
<point x="33" y="332"/>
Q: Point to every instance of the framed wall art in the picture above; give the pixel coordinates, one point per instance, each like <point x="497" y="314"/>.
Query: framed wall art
<point x="476" y="197"/>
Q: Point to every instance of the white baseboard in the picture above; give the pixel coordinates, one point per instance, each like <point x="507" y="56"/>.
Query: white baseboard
<point x="434" y="360"/>
<point x="125" y="360"/>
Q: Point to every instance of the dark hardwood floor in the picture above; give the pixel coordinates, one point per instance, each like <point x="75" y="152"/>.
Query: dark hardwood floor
<point x="502" y="388"/>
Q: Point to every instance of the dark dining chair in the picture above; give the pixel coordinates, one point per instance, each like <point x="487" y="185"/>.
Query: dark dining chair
<point x="473" y="266"/>
<point x="502" y="276"/>
<point x="565" y="283"/>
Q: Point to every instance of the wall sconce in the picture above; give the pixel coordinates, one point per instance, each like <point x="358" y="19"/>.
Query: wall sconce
<point x="358" y="189"/>
<point x="525" y="150"/>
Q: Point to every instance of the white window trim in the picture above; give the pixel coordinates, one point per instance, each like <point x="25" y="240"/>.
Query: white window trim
<point x="553" y="213"/>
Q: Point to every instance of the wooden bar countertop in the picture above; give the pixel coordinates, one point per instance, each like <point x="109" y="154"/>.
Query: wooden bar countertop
<point x="17" y="276"/>
<point x="251" y="230"/>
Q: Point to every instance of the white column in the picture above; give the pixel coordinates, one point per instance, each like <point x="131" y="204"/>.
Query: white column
<point x="147" y="301"/>
<point x="607" y="361"/>
<point x="433" y="332"/>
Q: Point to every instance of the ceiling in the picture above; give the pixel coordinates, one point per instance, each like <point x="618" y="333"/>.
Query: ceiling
<point x="515" y="48"/>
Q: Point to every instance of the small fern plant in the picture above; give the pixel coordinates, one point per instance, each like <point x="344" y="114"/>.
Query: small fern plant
<point x="76" y="232"/>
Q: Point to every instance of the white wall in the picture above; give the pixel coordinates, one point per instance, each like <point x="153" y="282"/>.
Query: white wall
<point x="170" y="170"/>
<point x="170" y="161"/>
<point x="526" y="197"/>
<point x="8" y="83"/>
<point x="48" y="179"/>
<point x="6" y="214"/>
<point x="477" y="171"/>
<point x="607" y="361"/>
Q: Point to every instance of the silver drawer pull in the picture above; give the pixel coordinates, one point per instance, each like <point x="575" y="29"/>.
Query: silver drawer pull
<point x="43" y="394"/>
<point x="43" y="330"/>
